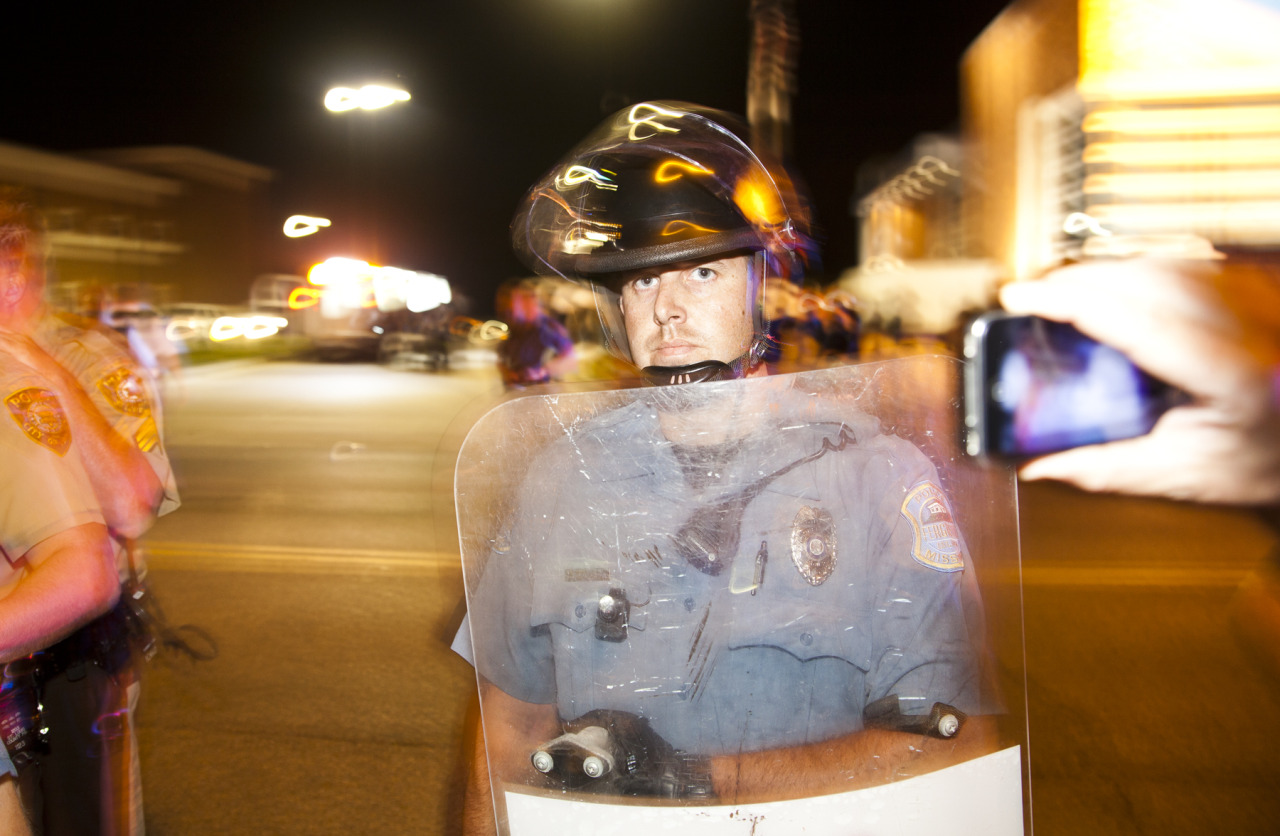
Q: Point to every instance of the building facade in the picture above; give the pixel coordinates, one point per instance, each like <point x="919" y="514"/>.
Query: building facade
<point x="146" y="225"/>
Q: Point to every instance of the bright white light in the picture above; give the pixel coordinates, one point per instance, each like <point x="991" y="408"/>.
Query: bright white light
<point x="648" y="115"/>
<point x="250" y="327"/>
<point x="337" y="269"/>
<point x="575" y="174"/>
<point x="428" y="291"/>
<point x="1216" y="183"/>
<point x="263" y="326"/>
<point x="1078" y="222"/>
<point x="368" y="97"/>
<point x="391" y="287"/>
<point x="1181" y="121"/>
<point x="1197" y="153"/>
<point x="347" y="283"/>
<point x="299" y="225"/>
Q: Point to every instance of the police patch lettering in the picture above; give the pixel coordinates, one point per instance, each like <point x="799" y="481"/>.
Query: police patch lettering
<point x="124" y="390"/>
<point x="39" y="414"/>
<point x="937" y="539"/>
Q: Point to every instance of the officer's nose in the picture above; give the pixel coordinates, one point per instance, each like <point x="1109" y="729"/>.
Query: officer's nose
<point x="669" y="301"/>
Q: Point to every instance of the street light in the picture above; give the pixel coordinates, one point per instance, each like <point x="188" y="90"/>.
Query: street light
<point x="368" y="97"/>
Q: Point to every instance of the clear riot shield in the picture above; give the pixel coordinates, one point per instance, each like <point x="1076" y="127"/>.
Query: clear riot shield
<point x="762" y="606"/>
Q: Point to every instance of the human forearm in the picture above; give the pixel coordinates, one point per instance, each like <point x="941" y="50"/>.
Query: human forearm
<point x="503" y="743"/>
<point x="13" y="819"/>
<point x="70" y="581"/>
<point x="862" y="759"/>
<point x="123" y="480"/>
<point x="477" y="802"/>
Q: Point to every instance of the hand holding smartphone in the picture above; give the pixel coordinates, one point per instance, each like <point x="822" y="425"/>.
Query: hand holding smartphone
<point x="1034" y="386"/>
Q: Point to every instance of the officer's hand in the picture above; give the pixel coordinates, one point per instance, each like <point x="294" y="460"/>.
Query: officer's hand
<point x="619" y="753"/>
<point x="1212" y="330"/>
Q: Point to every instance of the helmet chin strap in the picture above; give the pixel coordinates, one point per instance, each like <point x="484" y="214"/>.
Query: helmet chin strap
<point x="706" y="371"/>
<point x="709" y="371"/>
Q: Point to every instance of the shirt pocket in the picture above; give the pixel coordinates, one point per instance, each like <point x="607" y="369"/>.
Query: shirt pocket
<point x="802" y="625"/>
<point x="575" y="604"/>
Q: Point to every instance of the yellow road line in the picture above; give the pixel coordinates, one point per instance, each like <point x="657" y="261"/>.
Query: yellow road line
<point x="1134" y="576"/>
<point x="241" y="557"/>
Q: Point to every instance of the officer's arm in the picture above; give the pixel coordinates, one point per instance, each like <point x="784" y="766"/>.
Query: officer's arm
<point x="510" y="732"/>
<point x="70" y="580"/>
<point x="854" y="761"/>
<point x="12" y="818"/>
<point x="123" y="480"/>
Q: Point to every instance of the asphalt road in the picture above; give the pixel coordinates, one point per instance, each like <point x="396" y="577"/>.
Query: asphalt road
<point x="316" y="544"/>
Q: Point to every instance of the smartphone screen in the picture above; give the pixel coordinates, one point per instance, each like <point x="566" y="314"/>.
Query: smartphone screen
<point x="1035" y="386"/>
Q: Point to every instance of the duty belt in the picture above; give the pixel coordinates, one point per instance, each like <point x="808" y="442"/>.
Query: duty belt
<point x="103" y="642"/>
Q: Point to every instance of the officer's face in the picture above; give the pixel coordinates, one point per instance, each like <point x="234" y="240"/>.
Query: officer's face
<point x="689" y="312"/>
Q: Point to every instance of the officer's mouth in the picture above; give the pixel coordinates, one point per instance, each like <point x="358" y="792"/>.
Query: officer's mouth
<point x="675" y="353"/>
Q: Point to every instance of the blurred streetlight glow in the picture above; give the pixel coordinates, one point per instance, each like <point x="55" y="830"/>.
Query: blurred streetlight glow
<point x="672" y="170"/>
<point x="303" y="297"/>
<point x="250" y="327"/>
<point x="350" y="283"/>
<point x="299" y="225"/>
<point x="338" y="269"/>
<point x="368" y="97"/>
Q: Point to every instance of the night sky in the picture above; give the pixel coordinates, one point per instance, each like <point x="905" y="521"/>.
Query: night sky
<point x="501" y="89"/>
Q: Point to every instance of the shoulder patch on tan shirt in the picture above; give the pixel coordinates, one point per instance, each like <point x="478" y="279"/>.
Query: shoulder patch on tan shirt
<point x="125" y="391"/>
<point x="39" y="414"/>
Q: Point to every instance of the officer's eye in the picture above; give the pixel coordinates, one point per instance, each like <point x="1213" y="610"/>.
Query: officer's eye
<point x="644" y="282"/>
<point x="703" y="273"/>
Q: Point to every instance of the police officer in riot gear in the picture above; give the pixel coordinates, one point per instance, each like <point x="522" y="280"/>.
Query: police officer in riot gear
<point x="717" y="600"/>
<point x="680" y="189"/>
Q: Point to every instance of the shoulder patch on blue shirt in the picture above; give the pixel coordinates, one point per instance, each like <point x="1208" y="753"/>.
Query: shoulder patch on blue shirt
<point x="937" y="539"/>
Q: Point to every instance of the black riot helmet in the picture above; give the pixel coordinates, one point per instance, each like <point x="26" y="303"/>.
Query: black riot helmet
<point x="660" y="183"/>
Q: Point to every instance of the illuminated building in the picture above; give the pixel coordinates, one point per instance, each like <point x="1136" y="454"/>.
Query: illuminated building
<point x="1090" y="128"/>
<point x="915" y="274"/>
<point x="1120" y="127"/>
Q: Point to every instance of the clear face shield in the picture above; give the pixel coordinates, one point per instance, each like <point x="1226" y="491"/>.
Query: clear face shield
<point x="671" y="585"/>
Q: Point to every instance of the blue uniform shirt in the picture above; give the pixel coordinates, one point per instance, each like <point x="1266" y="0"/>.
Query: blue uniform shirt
<point x="838" y="578"/>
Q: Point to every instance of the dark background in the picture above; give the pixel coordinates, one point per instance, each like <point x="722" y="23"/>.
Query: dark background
<point x="501" y="89"/>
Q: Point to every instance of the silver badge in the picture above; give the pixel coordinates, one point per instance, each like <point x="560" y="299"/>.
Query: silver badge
<point x="813" y="544"/>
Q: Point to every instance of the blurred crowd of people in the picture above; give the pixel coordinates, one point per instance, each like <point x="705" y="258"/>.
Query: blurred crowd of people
<point x="553" y="334"/>
<point x="808" y="329"/>
<point x="537" y="348"/>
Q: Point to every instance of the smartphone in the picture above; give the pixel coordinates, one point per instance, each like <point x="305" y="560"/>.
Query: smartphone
<point x="1034" y="386"/>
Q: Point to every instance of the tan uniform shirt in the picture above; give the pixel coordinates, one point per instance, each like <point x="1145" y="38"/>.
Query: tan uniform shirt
<point x="44" y="489"/>
<point x="119" y="388"/>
